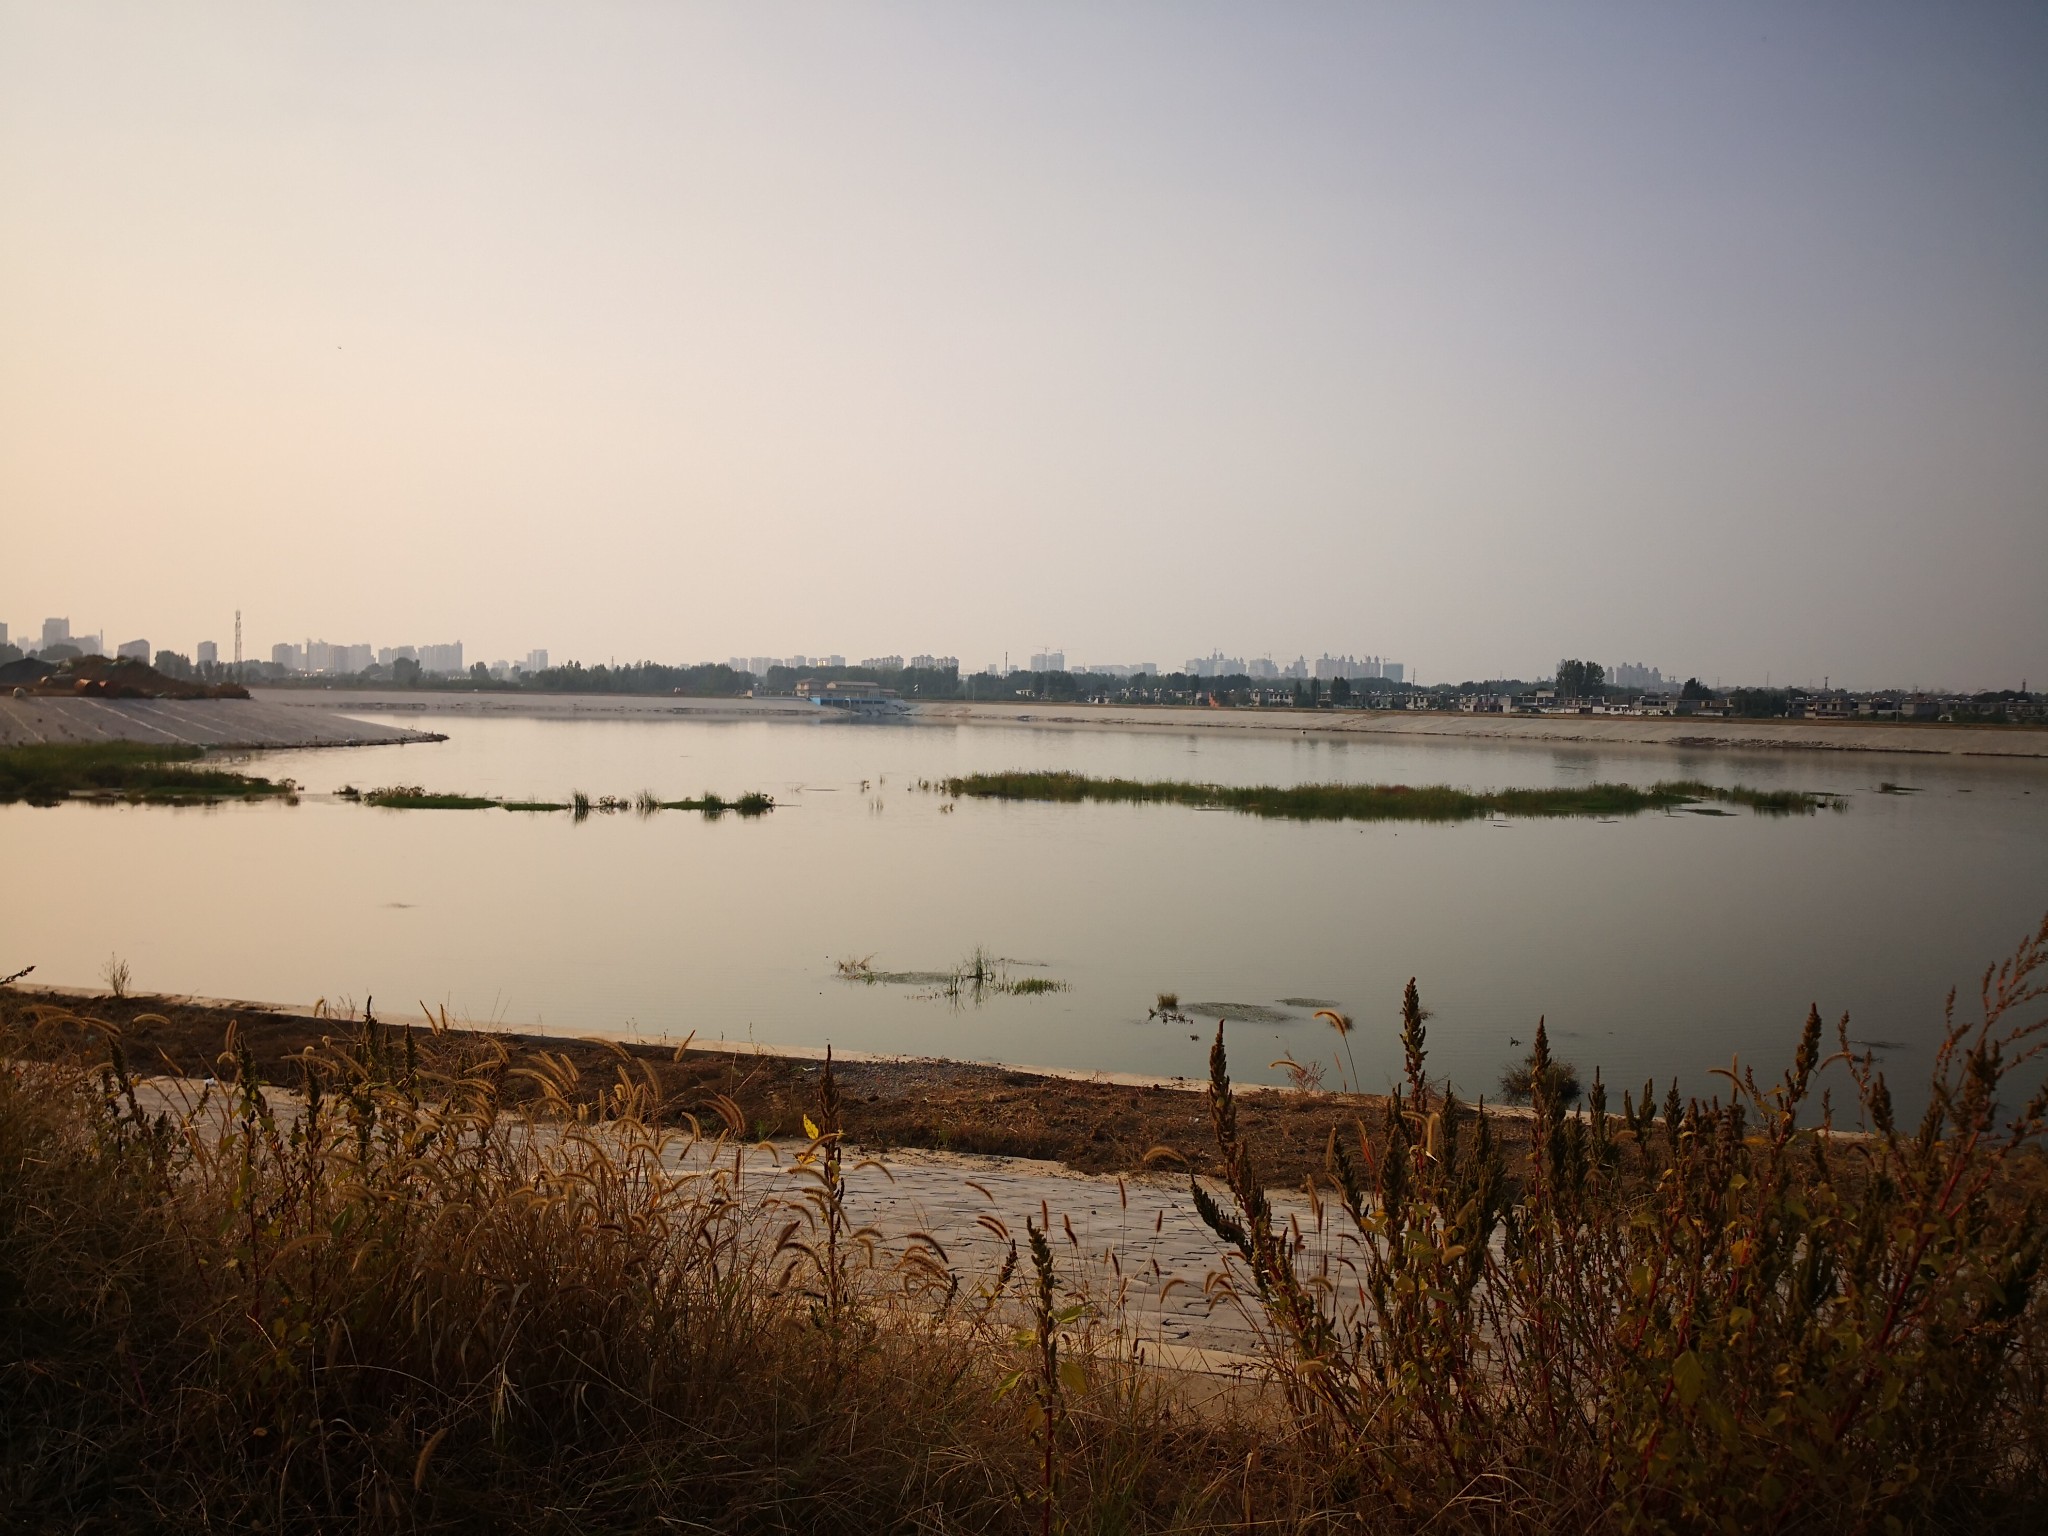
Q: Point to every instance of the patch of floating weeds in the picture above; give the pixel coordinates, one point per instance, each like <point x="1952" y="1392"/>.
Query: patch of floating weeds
<point x="1034" y="986"/>
<point x="411" y="797"/>
<point x="980" y="975"/>
<point x="1889" y="788"/>
<point x="1386" y="802"/>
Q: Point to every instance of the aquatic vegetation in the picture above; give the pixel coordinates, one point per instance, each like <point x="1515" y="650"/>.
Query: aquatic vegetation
<point x="46" y="773"/>
<point x="753" y="803"/>
<point x="403" y="797"/>
<point x="1384" y="802"/>
<point x="411" y="797"/>
<point x="1166" y="1008"/>
<point x="979" y="976"/>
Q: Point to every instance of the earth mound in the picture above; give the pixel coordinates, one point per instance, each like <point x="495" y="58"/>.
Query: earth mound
<point x="95" y="677"/>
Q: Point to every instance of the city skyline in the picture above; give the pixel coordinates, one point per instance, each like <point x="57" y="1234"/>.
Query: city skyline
<point x="668" y="331"/>
<point x="317" y="656"/>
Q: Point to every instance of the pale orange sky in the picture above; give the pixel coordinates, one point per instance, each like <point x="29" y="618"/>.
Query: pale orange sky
<point x="1468" y="335"/>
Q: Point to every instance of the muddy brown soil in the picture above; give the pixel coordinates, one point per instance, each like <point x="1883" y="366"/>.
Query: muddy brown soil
<point x="1090" y="1126"/>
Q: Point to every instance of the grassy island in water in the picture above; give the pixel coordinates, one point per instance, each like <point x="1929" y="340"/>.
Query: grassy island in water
<point x="43" y="773"/>
<point x="1387" y="802"/>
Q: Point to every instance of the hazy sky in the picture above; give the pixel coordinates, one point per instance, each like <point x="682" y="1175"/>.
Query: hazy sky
<point x="1712" y="336"/>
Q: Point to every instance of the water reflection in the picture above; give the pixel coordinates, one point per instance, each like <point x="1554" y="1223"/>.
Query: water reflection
<point x="1655" y="944"/>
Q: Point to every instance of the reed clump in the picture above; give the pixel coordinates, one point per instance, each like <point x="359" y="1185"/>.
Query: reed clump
<point x="1385" y="802"/>
<point x="1709" y="1315"/>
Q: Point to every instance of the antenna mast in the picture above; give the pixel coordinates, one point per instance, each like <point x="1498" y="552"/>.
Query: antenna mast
<point x="238" y="645"/>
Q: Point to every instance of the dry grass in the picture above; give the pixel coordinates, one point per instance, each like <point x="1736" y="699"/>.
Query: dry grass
<point x="404" y="1306"/>
<point x="1723" y="1318"/>
<point x="395" y="1301"/>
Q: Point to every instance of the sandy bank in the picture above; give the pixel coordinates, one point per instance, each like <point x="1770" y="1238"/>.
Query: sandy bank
<point x="1694" y="735"/>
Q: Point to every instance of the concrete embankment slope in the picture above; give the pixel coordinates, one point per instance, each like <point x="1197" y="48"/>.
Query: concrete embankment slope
<point x="539" y="706"/>
<point x="247" y="723"/>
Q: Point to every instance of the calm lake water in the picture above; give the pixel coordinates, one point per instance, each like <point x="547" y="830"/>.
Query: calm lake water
<point x="1656" y="945"/>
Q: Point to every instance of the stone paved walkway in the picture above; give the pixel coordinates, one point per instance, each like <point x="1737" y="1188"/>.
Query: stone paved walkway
<point x="1134" y="1242"/>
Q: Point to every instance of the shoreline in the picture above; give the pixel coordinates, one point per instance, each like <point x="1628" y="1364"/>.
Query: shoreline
<point x="1089" y="1123"/>
<point x="1690" y="733"/>
<point x="2013" y="744"/>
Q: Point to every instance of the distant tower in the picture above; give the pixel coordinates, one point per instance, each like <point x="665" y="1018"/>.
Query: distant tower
<point x="238" y="645"/>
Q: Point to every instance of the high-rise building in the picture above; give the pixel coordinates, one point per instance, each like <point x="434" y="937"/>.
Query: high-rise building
<point x="1392" y="671"/>
<point x="134" y="650"/>
<point x="537" y="660"/>
<point x="1048" y="661"/>
<point x="287" y="656"/>
<point x="884" y="663"/>
<point x="207" y="653"/>
<point x="90" y="645"/>
<point x="56" y="632"/>
<point x="443" y="659"/>
<point x="3" y="634"/>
